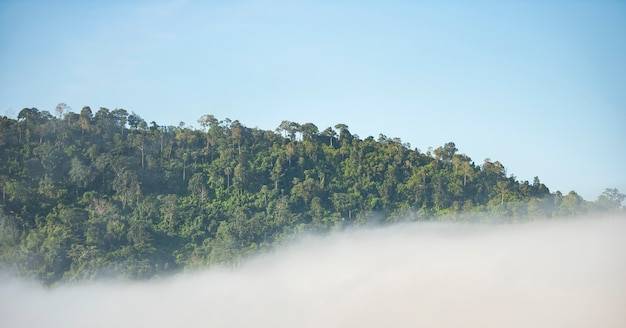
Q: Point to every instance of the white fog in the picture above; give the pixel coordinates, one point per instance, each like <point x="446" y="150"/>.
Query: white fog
<point x="544" y="274"/>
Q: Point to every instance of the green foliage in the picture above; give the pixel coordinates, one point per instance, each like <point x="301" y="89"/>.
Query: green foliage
<point x="91" y="195"/>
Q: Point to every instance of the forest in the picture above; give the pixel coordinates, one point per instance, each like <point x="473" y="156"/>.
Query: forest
<point x="107" y="195"/>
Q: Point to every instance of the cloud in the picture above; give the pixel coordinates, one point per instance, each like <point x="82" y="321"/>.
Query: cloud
<point x="548" y="274"/>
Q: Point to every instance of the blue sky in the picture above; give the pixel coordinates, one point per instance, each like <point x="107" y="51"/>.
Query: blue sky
<point x="539" y="86"/>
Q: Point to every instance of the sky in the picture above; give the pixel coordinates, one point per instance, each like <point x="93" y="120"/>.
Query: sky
<point x="539" y="86"/>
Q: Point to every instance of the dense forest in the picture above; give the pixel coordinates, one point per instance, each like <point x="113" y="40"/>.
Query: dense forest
<point x="106" y="194"/>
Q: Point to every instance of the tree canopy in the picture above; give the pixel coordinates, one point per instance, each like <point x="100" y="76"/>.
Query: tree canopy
<point x="105" y="193"/>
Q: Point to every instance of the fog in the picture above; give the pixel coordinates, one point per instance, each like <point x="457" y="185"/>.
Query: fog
<point x="546" y="274"/>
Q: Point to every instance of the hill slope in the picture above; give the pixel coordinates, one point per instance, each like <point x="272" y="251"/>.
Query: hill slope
<point x="107" y="192"/>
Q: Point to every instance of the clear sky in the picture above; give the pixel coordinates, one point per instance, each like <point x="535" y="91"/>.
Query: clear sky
<point x="538" y="85"/>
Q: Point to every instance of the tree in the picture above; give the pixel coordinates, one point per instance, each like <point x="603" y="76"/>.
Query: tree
<point x="137" y="141"/>
<point x="198" y="187"/>
<point x="169" y="212"/>
<point x="126" y="186"/>
<point x="309" y="131"/>
<point x="277" y="173"/>
<point x="468" y="172"/>
<point x="60" y="109"/>
<point x="85" y="120"/>
<point x="207" y="121"/>
<point x="293" y="128"/>
<point x="610" y="199"/>
<point x="290" y="151"/>
<point x="283" y="127"/>
<point x="446" y="154"/>
<point x="571" y="204"/>
<point x="330" y="134"/>
<point x="29" y="114"/>
<point x="134" y="120"/>
<point x="224" y="246"/>
<point x="502" y="187"/>
<point x="344" y="133"/>
<point x="79" y="173"/>
<point x="539" y="189"/>
<point x="241" y="176"/>
<point x="228" y="171"/>
<point x="344" y="203"/>
<point x="120" y="118"/>
<point x="237" y="130"/>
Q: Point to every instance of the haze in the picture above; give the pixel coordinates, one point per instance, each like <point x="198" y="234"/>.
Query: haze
<point x="545" y="274"/>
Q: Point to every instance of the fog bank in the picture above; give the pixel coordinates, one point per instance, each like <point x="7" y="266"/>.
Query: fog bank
<point x="547" y="274"/>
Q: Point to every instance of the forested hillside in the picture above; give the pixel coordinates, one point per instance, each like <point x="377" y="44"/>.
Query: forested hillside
<point x="106" y="193"/>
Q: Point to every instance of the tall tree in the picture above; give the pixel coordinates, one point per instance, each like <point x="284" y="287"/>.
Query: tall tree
<point x="611" y="199"/>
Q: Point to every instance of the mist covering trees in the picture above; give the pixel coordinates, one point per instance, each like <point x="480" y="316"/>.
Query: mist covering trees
<point x="107" y="194"/>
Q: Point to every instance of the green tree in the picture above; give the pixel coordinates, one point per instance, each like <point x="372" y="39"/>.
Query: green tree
<point x="610" y="199"/>
<point x="571" y="204"/>
<point x="104" y="192"/>
<point x="79" y="173"/>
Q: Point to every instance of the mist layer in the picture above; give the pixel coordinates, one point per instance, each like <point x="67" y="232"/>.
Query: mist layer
<point x="548" y="274"/>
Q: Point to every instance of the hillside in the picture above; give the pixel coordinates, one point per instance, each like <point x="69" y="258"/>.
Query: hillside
<point x="106" y="193"/>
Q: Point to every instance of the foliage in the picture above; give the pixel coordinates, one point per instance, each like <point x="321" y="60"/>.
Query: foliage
<point x="106" y="194"/>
